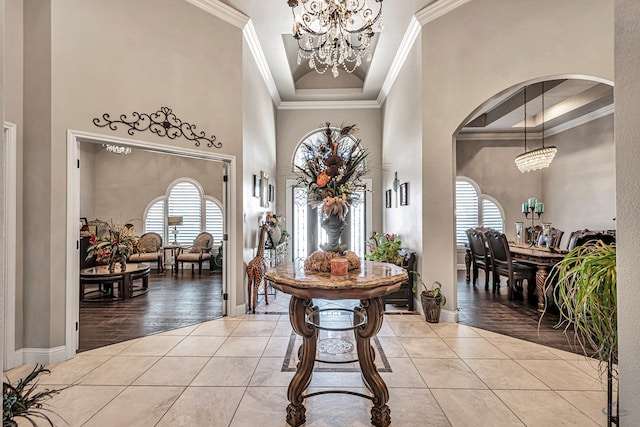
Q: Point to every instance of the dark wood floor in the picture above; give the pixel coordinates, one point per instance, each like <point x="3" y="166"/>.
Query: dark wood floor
<point x="177" y="301"/>
<point x="173" y="301"/>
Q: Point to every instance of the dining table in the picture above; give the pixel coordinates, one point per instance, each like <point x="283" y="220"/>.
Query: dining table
<point x="543" y="259"/>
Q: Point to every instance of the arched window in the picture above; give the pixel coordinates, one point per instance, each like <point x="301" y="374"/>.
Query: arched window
<point x="184" y="199"/>
<point x="474" y="209"/>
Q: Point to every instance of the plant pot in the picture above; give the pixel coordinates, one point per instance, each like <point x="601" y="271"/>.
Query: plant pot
<point x="275" y="234"/>
<point x="431" y="307"/>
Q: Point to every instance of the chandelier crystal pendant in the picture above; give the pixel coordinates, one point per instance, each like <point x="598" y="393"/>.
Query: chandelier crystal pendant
<point x="117" y="149"/>
<point x="535" y="159"/>
<point x="334" y="33"/>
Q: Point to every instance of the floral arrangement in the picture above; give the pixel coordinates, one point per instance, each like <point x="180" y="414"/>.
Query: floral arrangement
<point x="118" y="241"/>
<point x="274" y="220"/>
<point x="385" y="248"/>
<point x="332" y="170"/>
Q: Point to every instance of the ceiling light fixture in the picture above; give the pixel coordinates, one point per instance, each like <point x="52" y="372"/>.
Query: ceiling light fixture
<point x="535" y="159"/>
<point x="334" y="33"/>
<point x="117" y="149"/>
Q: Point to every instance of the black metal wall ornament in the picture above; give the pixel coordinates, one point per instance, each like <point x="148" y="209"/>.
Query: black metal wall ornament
<point x="163" y="123"/>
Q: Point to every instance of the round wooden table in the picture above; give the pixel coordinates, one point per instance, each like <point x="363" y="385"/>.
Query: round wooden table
<point x="122" y="281"/>
<point x="368" y="284"/>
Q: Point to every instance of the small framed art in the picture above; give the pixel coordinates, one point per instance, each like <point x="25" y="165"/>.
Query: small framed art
<point x="264" y="189"/>
<point x="256" y="186"/>
<point x="387" y="198"/>
<point x="404" y="194"/>
<point x="272" y="193"/>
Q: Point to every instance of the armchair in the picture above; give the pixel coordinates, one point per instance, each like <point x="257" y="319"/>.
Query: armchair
<point x="199" y="252"/>
<point x="150" y="250"/>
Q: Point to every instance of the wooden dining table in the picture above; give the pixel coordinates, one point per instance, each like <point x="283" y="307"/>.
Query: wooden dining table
<point x="542" y="258"/>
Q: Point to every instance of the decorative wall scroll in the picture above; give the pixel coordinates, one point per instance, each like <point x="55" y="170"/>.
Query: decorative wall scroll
<point x="163" y="123"/>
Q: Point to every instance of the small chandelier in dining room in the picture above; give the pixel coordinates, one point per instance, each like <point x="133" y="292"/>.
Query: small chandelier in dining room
<point x="334" y="33"/>
<point x="117" y="149"/>
<point x="535" y="159"/>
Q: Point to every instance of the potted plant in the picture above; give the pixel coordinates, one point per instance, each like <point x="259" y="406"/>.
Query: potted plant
<point x="384" y="248"/>
<point x="432" y="298"/>
<point x="23" y="401"/>
<point x="585" y="294"/>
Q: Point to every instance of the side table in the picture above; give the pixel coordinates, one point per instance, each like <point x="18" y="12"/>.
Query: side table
<point x="169" y="260"/>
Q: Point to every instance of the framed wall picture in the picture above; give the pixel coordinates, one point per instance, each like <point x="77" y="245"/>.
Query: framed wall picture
<point x="272" y="193"/>
<point x="264" y="191"/>
<point x="387" y="199"/>
<point x="404" y="194"/>
<point x="256" y="186"/>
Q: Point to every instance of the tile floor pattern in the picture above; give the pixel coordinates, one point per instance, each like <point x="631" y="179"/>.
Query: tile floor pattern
<point x="228" y="372"/>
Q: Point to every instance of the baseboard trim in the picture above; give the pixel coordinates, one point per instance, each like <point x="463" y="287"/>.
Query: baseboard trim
<point x="240" y="310"/>
<point x="26" y="356"/>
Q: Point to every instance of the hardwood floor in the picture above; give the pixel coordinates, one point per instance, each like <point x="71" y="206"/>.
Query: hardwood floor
<point x="173" y="301"/>
<point x="177" y="301"/>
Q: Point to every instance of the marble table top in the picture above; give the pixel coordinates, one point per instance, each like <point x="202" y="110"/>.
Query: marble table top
<point x="372" y="279"/>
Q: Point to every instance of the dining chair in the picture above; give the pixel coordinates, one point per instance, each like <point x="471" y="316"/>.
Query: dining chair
<point x="504" y="265"/>
<point x="480" y="256"/>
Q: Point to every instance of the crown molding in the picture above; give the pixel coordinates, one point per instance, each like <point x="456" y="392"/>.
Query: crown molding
<point x="222" y="11"/>
<point x="594" y="115"/>
<point x="437" y="9"/>
<point x="408" y="40"/>
<point x="497" y="136"/>
<point x="327" y="105"/>
<point x="251" y="37"/>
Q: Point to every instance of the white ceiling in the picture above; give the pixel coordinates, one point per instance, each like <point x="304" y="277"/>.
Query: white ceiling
<point x="297" y="86"/>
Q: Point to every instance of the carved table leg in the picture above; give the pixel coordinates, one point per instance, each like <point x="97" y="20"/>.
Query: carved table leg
<point x="306" y="353"/>
<point x="541" y="279"/>
<point x="373" y="309"/>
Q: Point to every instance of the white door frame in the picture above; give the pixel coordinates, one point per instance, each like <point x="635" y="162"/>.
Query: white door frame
<point x="8" y="256"/>
<point x="74" y="138"/>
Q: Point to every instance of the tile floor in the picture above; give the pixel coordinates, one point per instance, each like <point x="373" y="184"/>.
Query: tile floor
<point x="228" y="372"/>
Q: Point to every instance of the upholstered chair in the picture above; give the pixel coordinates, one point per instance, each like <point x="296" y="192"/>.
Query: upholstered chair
<point x="199" y="252"/>
<point x="149" y="250"/>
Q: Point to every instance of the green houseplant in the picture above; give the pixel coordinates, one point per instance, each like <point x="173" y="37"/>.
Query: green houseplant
<point x="24" y="401"/>
<point x="432" y="298"/>
<point x="585" y="293"/>
<point x="384" y="248"/>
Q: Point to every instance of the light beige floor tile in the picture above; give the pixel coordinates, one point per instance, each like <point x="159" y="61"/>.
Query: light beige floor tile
<point x="226" y="372"/>
<point x="404" y="374"/>
<point x="427" y="347"/>
<point x="15" y="374"/>
<point x="489" y="334"/>
<point x="136" y="406"/>
<point x="592" y="403"/>
<point x="504" y="374"/>
<point x="269" y="373"/>
<point x="254" y="329"/>
<point x="412" y="329"/>
<point x="474" y="348"/>
<point x="589" y="366"/>
<point x="392" y="347"/>
<point x="543" y="408"/>
<point x="203" y="406"/>
<point x="561" y="375"/>
<point x="283" y="329"/>
<point x="217" y="328"/>
<point x="338" y="409"/>
<point x="181" y="331"/>
<point x="448" y="373"/>
<point x="276" y="347"/>
<point x="197" y="346"/>
<point x="475" y="408"/>
<point x="447" y="329"/>
<point x="179" y="371"/>
<point x="520" y="349"/>
<point x="243" y="347"/>
<point x="337" y="380"/>
<point x="259" y="317"/>
<point x="415" y="407"/>
<point x="80" y="402"/>
<point x="263" y="406"/>
<point x="119" y="370"/>
<point x="386" y="331"/>
<point x="152" y="346"/>
<point x="111" y="350"/>
<point x="405" y="316"/>
<point x="70" y="371"/>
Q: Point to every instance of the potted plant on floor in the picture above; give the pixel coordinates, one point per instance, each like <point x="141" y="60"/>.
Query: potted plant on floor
<point x="23" y="401"/>
<point x="432" y="298"/>
<point x="585" y="294"/>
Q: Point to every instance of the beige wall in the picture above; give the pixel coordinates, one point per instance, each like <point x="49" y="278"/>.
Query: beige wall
<point x="403" y="128"/>
<point x="293" y="125"/>
<point x="627" y="131"/>
<point x="480" y="38"/>
<point x="3" y="326"/>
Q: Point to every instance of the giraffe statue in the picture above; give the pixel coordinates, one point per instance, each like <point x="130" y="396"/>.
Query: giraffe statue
<point x="255" y="272"/>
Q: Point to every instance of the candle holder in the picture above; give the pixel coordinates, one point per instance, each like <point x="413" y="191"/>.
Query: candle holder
<point x="535" y="209"/>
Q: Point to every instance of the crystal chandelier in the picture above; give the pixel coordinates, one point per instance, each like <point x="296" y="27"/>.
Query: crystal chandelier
<point x="535" y="159"/>
<point x="334" y="33"/>
<point x="117" y="149"/>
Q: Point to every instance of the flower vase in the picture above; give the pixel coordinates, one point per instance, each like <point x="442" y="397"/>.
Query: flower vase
<point x="275" y="234"/>
<point x="334" y="225"/>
